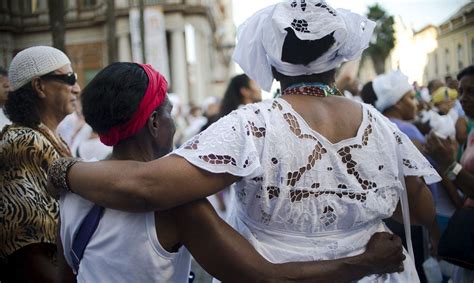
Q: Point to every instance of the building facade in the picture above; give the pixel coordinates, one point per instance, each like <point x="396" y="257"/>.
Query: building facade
<point x="455" y="45"/>
<point x="190" y="41"/>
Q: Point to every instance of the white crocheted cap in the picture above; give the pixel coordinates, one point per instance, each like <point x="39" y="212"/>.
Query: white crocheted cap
<point x="35" y="61"/>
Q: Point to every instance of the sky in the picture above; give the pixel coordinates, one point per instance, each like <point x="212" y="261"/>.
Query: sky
<point x="415" y="13"/>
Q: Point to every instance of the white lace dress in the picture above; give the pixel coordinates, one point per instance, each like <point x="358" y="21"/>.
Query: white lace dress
<point x="302" y="197"/>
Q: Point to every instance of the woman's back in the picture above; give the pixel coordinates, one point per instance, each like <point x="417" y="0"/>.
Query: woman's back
<point x="336" y="118"/>
<point x="319" y="190"/>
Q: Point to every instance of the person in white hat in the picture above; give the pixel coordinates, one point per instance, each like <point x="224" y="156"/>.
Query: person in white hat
<point x="44" y="89"/>
<point x="313" y="174"/>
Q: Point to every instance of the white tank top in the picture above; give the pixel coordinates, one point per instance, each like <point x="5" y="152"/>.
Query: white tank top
<point x="124" y="248"/>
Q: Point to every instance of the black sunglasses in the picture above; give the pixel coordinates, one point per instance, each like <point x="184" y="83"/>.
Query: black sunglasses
<point x="70" y="78"/>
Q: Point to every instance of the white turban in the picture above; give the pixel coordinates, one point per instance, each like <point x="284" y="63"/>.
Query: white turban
<point x="261" y="38"/>
<point x="390" y="88"/>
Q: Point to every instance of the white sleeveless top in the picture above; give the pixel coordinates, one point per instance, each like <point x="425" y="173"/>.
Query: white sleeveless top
<point x="124" y="248"/>
<point x="302" y="197"/>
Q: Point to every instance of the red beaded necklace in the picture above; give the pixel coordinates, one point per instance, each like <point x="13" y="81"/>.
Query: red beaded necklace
<point x="319" y="90"/>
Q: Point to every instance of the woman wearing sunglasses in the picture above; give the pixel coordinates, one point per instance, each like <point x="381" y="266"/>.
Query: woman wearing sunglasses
<point x="44" y="90"/>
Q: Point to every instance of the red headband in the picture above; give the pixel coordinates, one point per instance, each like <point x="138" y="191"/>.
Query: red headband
<point x="155" y="94"/>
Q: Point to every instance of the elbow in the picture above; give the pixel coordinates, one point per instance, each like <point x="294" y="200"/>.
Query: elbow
<point x="147" y="194"/>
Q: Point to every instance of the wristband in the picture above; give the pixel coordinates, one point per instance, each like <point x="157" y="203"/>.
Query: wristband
<point x="453" y="171"/>
<point x="58" y="172"/>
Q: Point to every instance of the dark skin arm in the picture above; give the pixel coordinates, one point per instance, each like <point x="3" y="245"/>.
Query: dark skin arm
<point x="443" y="152"/>
<point x="228" y="256"/>
<point x="138" y="186"/>
<point x="421" y="205"/>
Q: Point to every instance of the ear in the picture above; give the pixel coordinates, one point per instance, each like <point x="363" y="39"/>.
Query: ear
<point x="153" y="125"/>
<point x="245" y="92"/>
<point x="38" y="87"/>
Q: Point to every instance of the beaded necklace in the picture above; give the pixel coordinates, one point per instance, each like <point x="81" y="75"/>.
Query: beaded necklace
<point x="311" y="89"/>
<point x="58" y="143"/>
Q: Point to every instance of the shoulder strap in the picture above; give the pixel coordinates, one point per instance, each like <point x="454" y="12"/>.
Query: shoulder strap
<point x="84" y="234"/>
<point x="405" y="208"/>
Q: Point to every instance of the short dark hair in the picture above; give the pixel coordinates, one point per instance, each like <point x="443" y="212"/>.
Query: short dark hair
<point x="326" y="77"/>
<point x="113" y="95"/>
<point x="232" y="96"/>
<point x="3" y="72"/>
<point x="22" y="107"/>
<point x="468" y="71"/>
<point x="368" y="94"/>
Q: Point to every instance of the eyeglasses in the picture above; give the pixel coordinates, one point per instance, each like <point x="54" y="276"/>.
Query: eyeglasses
<point x="70" y="78"/>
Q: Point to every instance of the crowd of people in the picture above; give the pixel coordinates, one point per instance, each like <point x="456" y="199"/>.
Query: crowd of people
<point x="121" y="182"/>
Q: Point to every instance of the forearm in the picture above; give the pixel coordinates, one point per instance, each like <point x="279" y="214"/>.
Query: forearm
<point x="136" y="186"/>
<point x="341" y="270"/>
<point x="228" y="256"/>
<point x="420" y="200"/>
<point x="112" y="184"/>
<point x="465" y="181"/>
<point x="452" y="192"/>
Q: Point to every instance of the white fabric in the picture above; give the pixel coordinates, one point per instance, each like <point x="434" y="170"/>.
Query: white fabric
<point x="35" y="61"/>
<point x="442" y="125"/>
<point x="326" y="213"/>
<point x="260" y="39"/>
<point x="3" y="119"/>
<point x="124" y="248"/>
<point x="94" y="149"/>
<point x="390" y="88"/>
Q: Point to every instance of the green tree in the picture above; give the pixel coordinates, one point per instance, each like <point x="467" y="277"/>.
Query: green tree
<point x="383" y="39"/>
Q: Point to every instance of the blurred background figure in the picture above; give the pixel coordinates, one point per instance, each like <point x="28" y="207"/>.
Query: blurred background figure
<point x="4" y="89"/>
<point x="44" y="90"/>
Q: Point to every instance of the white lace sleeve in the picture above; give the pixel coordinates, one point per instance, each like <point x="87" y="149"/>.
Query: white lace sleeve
<point x="414" y="163"/>
<point x="231" y="145"/>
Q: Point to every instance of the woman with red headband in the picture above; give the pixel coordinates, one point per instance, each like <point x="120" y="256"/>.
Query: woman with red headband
<point x="127" y="105"/>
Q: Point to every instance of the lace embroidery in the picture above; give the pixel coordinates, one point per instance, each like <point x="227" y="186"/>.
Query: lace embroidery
<point x="300" y="25"/>
<point x="328" y="217"/>
<point x="346" y="157"/>
<point x="257" y="132"/>
<point x="193" y="143"/>
<point x="408" y="164"/>
<point x="219" y="159"/>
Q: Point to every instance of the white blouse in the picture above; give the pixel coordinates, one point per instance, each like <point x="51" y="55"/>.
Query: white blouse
<point x="302" y="197"/>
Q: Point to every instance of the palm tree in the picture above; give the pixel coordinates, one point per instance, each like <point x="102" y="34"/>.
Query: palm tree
<point x="383" y="39"/>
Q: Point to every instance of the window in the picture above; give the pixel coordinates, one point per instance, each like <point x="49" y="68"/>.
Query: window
<point x="446" y="59"/>
<point x="87" y="4"/>
<point x="460" y="57"/>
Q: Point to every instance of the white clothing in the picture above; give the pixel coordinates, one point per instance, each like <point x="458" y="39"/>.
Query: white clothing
<point x="124" y="248"/>
<point x="390" y="88"/>
<point x="3" y="119"/>
<point x="93" y="149"/>
<point x="261" y="38"/>
<point x="302" y="197"/>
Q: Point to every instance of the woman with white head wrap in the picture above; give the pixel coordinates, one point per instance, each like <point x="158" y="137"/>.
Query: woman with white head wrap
<point x="309" y="177"/>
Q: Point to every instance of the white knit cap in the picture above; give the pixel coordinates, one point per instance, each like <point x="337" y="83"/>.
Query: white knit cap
<point x="261" y="38"/>
<point x="390" y="88"/>
<point x="35" y="61"/>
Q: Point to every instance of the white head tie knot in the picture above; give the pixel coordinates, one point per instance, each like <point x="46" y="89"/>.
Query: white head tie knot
<point x="263" y="37"/>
